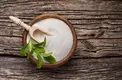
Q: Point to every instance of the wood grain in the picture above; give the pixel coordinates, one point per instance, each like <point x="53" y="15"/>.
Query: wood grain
<point x="17" y="68"/>
<point x="98" y="24"/>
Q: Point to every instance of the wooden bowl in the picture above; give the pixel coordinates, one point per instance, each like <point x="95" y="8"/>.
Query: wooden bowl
<point x="71" y="52"/>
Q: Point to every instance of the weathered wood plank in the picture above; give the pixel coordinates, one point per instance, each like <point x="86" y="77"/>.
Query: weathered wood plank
<point x="76" y="69"/>
<point x="61" y="5"/>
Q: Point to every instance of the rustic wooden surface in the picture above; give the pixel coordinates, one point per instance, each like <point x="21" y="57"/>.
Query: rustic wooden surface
<point x="98" y="24"/>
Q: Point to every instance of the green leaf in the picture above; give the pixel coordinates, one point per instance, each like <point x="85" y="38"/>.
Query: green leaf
<point x="44" y="42"/>
<point x="46" y="54"/>
<point x="24" y="50"/>
<point x="39" y="50"/>
<point x="50" y="59"/>
<point x="30" y="54"/>
<point x="39" y="61"/>
<point x="33" y="41"/>
<point x="30" y="45"/>
<point x="41" y="44"/>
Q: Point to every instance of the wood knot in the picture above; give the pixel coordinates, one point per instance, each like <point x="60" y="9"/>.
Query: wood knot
<point x="88" y="45"/>
<point x="99" y="33"/>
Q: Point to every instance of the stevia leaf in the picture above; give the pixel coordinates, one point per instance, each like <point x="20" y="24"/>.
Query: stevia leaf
<point x="50" y="59"/>
<point x="44" y="42"/>
<point x="30" y="45"/>
<point x="30" y="54"/>
<point x="24" y="50"/>
<point x="39" y="50"/>
<point x="41" y="44"/>
<point x="46" y="54"/>
<point x="39" y="61"/>
<point x="33" y="41"/>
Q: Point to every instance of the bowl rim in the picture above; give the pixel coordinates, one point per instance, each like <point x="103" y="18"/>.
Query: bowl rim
<point x="71" y="52"/>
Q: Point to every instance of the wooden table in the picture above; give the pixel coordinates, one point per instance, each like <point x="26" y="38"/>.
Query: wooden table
<point x="98" y="24"/>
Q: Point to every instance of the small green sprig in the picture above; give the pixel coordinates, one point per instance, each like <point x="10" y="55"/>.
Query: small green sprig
<point x="37" y="51"/>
